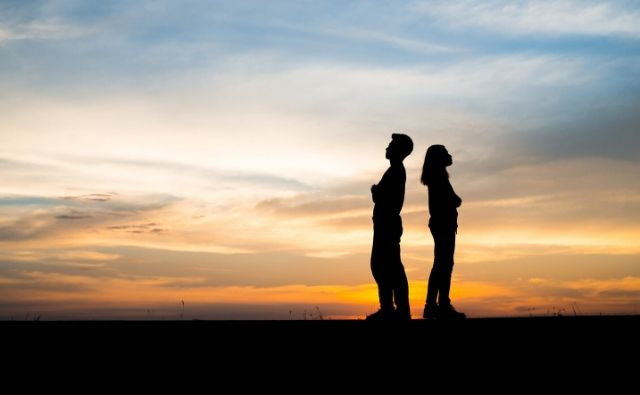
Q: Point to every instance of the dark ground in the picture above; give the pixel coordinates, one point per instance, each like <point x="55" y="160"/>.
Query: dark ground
<point x="534" y="334"/>
<point x="540" y="347"/>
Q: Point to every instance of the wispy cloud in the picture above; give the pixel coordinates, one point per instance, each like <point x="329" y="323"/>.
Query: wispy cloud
<point x="195" y="178"/>
<point x="26" y="227"/>
<point x="96" y="197"/>
<point x="150" y="227"/>
<point x="408" y="44"/>
<point x="73" y="215"/>
<point x="315" y="204"/>
<point x="40" y="30"/>
<point x="597" y="18"/>
<point x="69" y="217"/>
<point x="359" y="35"/>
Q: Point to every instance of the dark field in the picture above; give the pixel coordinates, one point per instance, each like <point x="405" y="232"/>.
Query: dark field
<point x="539" y="332"/>
<point x="541" y="347"/>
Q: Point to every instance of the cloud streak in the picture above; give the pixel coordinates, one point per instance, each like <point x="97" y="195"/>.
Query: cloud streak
<point x="593" y="18"/>
<point x="151" y="227"/>
<point x="40" y="30"/>
<point x="65" y="217"/>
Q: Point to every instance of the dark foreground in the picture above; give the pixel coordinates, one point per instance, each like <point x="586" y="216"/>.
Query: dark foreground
<point x="533" y="333"/>
<point x="545" y="345"/>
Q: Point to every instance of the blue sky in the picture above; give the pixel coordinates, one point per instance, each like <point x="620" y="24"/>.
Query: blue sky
<point x="118" y="39"/>
<point x="546" y="62"/>
<point x="247" y="130"/>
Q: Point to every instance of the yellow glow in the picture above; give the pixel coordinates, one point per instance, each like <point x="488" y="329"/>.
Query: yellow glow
<point x="216" y="192"/>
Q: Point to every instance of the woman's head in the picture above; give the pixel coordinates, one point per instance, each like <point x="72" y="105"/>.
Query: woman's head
<point x="436" y="160"/>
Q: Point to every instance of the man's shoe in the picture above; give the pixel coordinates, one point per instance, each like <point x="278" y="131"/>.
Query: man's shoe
<point x="447" y="312"/>
<point x="381" y="315"/>
<point x="402" y="315"/>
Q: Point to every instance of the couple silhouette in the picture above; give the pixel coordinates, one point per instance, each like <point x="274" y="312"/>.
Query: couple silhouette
<point x="386" y="265"/>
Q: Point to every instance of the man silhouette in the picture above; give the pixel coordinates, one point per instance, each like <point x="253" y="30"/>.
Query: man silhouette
<point x="386" y="265"/>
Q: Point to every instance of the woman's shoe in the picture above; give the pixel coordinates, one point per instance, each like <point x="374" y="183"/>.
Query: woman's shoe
<point x="430" y="311"/>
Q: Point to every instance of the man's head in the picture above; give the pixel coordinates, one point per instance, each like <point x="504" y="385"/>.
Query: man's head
<point x="400" y="147"/>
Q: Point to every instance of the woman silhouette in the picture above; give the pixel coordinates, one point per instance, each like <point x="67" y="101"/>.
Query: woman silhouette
<point x="443" y="223"/>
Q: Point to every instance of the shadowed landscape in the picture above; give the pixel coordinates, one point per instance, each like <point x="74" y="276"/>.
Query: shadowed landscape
<point x="482" y="352"/>
<point x="538" y="335"/>
<point x="536" y="352"/>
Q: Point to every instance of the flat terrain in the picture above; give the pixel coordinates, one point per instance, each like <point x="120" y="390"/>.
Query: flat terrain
<point x="486" y="353"/>
<point x="548" y="332"/>
<point x="540" y="346"/>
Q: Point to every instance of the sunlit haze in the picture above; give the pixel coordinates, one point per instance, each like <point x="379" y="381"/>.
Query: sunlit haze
<point x="213" y="159"/>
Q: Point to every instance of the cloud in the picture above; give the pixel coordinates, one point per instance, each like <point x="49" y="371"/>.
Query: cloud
<point x="213" y="174"/>
<point x="135" y="176"/>
<point x="405" y="43"/>
<point x="563" y="292"/>
<point x="32" y="283"/>
<point x="257" y="178"/>
<point x="96" y="197"/>
<point x="27" y="201"/>
<point x="86" y="256"/>
<point x="49" y="29"/>
<point x="71" y="217"/>
<point x="367" y="87"/>
<point x="611" y="131"/>
<point x="363" y="35"/>
<point x="624" y="294"/>
<point x="247" y="136"/>
<point x="151" y="227"/>
<point x="285" y="126"/>
<point x="27" y="227"/>
<point x="577" y="194"/>
<point x="315" y="205"/>
<point x="593" y="18"/>
<point x="522" y="265"/>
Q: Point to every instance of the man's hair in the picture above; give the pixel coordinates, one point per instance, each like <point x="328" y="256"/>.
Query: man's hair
<point x="405" y="144"/>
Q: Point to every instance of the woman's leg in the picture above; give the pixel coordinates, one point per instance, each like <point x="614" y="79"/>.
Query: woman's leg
<point x="444" y="248"/>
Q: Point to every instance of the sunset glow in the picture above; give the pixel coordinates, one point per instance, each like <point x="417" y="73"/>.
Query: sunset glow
<point x="213" y="159"/>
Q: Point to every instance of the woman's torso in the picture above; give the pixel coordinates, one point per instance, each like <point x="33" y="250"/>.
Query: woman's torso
<point x="443" y="204"/>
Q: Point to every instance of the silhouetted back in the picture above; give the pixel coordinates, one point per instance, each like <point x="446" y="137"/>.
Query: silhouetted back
<point x="386" y="263"/>
<point x="389" y="196"/>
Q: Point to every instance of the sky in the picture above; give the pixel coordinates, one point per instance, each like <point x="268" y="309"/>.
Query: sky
<point x="213" y="159"/>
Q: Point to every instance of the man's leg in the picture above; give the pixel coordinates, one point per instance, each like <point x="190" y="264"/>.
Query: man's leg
<point x="380" y="271"/>
<point x="400" y="283"/>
